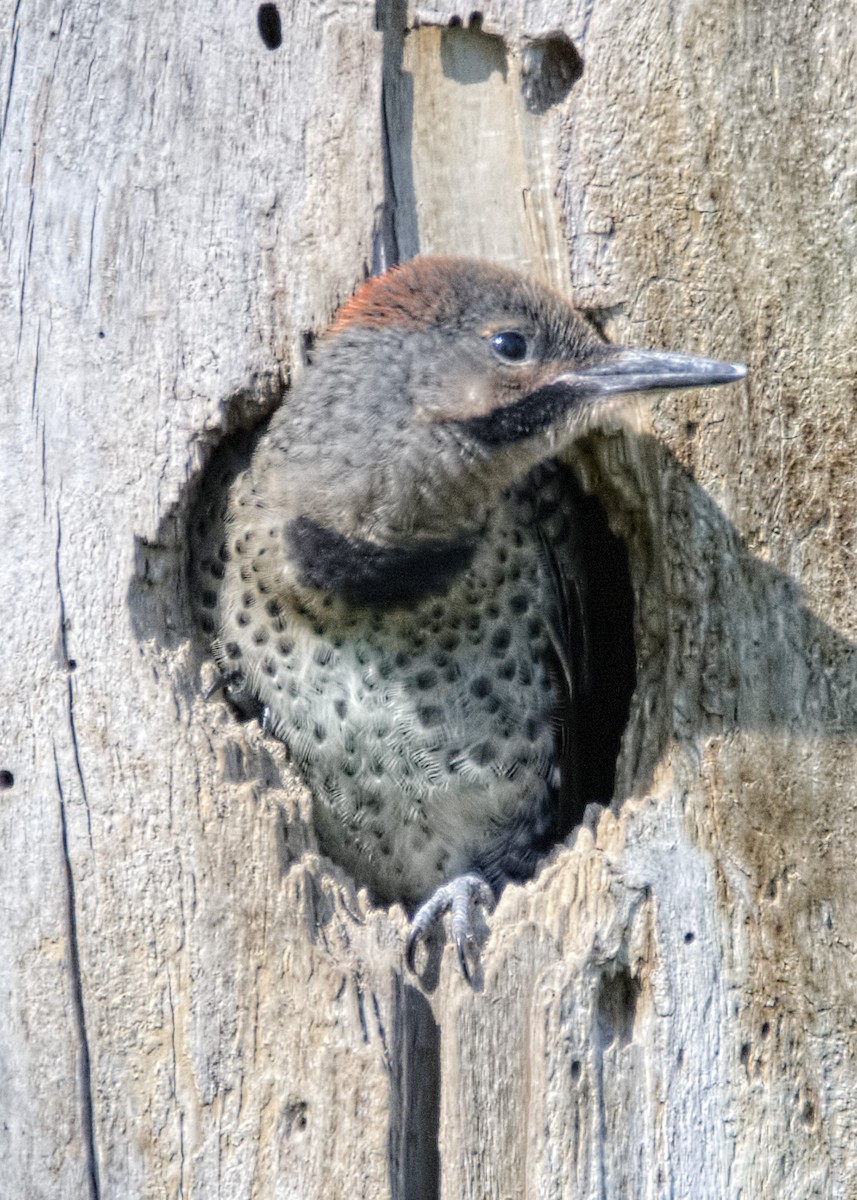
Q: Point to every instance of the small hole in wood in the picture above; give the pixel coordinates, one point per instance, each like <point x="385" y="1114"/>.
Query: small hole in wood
<point x="7" y="780"/>
<point x="270" y="26"/>
<point x="617" y="1007"/>
<point x="550" y="67"/>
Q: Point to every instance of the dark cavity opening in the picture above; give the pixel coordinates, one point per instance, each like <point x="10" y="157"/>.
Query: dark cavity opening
<point x="550" y="67"/>
<point x="270" y="26"/>
<point x="602" y="715"/>
<point x="7" y="779"/>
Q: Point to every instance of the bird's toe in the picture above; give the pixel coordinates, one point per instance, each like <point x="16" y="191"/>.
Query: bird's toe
<point x="460" y="897"/>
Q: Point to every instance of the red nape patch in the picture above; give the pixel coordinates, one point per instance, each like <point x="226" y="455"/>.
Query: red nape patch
<point x="414" y="295"/>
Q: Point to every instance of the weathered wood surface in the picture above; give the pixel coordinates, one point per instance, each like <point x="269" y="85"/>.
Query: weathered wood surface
<point x="192" y="1003"/>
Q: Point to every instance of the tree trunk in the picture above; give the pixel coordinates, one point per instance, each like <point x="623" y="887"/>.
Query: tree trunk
<point x="193" y="1003"/>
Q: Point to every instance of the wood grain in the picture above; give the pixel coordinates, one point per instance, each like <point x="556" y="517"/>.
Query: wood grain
<point x="192" y="1002"/>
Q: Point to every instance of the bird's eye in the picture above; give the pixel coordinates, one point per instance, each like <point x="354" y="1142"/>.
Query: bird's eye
<point x="510" y="345"/>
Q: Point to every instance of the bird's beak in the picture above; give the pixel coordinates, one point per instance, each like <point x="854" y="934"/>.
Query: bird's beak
<point x="572" y="394"/>
<point x="624" y="371"/>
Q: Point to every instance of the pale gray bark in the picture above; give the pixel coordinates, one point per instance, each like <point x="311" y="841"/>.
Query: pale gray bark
<point x="192" y="1002"/>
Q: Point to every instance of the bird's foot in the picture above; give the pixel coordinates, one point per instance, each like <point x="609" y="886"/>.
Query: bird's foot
<point x="459" y="897"/>
<point x="239" y="698"/>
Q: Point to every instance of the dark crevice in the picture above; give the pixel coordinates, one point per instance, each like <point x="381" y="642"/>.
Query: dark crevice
<point x="175" y="1073"/>
<point x="87" y="1111"/>
<point x="66" y="658"/>
<point x="413" y="1153"/>
<point x="389" y="249"/>
<point x="10" y="83"/>
<point x="382" y="1032"/>
<point x="603" y="716"/>
<point x="602" y="656"/>
<point x="399" y="234"/>
<point x="361" y="1010"/>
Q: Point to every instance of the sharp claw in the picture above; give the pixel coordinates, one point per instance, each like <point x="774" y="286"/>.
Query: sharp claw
<point x="238" y="696"/>
<point x="458" y="897"/>
<point x="460" y="945"/>
<point x="217" y="686"/>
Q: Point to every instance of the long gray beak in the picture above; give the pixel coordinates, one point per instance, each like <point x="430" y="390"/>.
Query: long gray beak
<point x="622" y="371"/>
<point x="568" y="396"/>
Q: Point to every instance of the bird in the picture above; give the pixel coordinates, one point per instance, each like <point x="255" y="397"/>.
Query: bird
<point x="397" y="582"/>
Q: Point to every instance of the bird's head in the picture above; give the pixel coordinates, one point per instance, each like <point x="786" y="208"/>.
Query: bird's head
<point x="440" y="384"/>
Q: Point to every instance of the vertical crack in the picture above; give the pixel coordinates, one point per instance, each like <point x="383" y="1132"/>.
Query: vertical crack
<point x="11" y="80"/>
<point x="67" y="663"/>
<point x="399" y="227"/>
<point x="413" y="1150"/>
<point x="87" y="1113"/>
<point x="91" y="249"/>
<point x="389" y="255"/>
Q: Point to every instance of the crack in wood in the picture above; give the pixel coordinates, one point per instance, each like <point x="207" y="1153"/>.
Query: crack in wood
<point x="79" y="1009"/>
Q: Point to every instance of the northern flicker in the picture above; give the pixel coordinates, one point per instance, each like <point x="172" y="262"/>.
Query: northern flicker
<point x="397" y="576"/>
